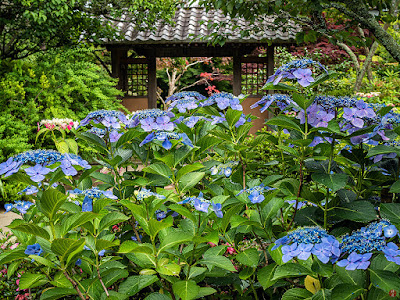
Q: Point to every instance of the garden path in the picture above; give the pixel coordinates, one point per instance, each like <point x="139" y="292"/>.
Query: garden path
<point x="6" y="219"/>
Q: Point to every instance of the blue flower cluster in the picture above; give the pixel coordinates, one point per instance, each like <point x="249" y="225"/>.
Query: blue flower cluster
<point x="152" y="119"/>
<point x="281" y="100"/>
<point x="184" y="104"/>
<point x="296" y="69"/>
<point x="97" y="131"/>
<point x="192" y="120"/>
<point x="256" y="194"/>
<point x="34" y="249"/>
<point x="224" y="101"/>
<point x="21" y="206"/>
<point x="145" y="193"/>
<point x="224" y="169"/>
<point x="331" y="102"/>
<point x="90" y="194"/>
<point x="360" y="245"/>
<point x="221" y="118"/>
<point x="42" y="158"/>
<point x="165" y="137"/>
<point x="201" y="204"/>
<point x="183" y="95"/>
<point x="303" y="242"/>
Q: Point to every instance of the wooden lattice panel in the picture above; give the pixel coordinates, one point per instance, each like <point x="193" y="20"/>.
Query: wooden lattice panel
<point x="137" y="79"/>
<point x="254" y="76"/>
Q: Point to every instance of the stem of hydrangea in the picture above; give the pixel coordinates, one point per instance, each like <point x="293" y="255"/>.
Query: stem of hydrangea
<point x="254" y="290"/>
<point x="99" y="276"/>
<point x="327" y="190"/>
<point x="75" y="285"/>
<point x="298" y="193"/>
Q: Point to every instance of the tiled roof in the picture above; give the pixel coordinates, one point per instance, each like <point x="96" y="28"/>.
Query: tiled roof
<point x="190" y="23"/>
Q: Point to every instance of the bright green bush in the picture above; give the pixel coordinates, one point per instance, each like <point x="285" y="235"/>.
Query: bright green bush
<point x="58" y="84"/>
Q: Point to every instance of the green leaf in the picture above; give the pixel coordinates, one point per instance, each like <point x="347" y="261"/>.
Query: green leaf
<point x="385" y="280"/>
<point x="346" y="291"/>
<point x="173" y="238"/>
<point x="182" y="211"/>
<point x="323" y="294"/>
<point x="72" y="146"/>
<point x="67" y="248"/>
<point x="278" y="87"/>
<point x="356" y="277"/>
<point x="61" y="146"/>
<point x="50" y="202"/>
<point x="248" y="257"/>
<point x="391" y="211"/>
<point x="357" y="211"/>
<point x="290" y="270"/>
<point x="29" y="280"/>
<point x="205" y="291"/>
<point x="301" y="100"/>
<point x="127" y="247"/>
<point x="333" y="181"/>
<point x="94" y="140"/>
<point x="265" y="275"/>
<point x="10" y="256"/>
<point x="134" y="284"/>
<point x="159" y="169"/>
<point x="186" y="290"/>
<point x="156" y="226"/>
<point x="171" y="269"/>
<point x="323" y="77"/>
<point x="111" y="219"/>
<point x="106" y="178"/>
<point x="157" y="296"/>
<point x="31" y="229"/>
<point x="218" y="261"/>
<point x="296" y="294"/>
<point x="114" y="275"/>
<point x="232" y="116"/>
<point x="76" y="220"/>
<point x="189" y="180"/>
<point x="127" y="137"/>
<point x="383" y="149"/>
<point x="322" y="269"/>
<point x="284" y="122"/>
<point x="395" y="188"/>
<point x="188" y="168"/>
<point x="380" y="262"/>
<point x="57" y="293"/>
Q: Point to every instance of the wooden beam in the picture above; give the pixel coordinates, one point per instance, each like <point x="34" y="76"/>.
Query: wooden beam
<point x="152" y="83"/>
<point x="117" y="55"/>
<point x="270" y="60"/>
<point x="237" y="73"/>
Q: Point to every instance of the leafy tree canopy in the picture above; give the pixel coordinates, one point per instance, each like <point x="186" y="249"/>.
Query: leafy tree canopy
<point x="29" y="26"/>
<point x="368" y="14"/>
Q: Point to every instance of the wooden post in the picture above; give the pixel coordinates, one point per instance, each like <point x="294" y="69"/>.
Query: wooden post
<point x="237" y="73"/>
<point x="152" y="83"/>
<point x="116" y="67"/>
<point x="270" y="60"/>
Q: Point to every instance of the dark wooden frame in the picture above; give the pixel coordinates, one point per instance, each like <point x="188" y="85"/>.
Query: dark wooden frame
<point x="151" y="51"/>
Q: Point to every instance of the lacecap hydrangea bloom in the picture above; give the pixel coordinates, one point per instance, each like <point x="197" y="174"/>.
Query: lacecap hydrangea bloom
<point x="109" y="118"/>
<point x="224" y="169"/>
<point x="41" y="159"/>
<point x="361" y="244"/>
<point x="165" y="137"/>
<point x="281" y="100"/>
<point x="183" y="95"/>
<point x="303" y="242"/>
<point x="21" y="206"/>
<point x="201" y="204"/>
<point x="256" y="194"/>
<point x="89" y="195"/>
<point x="152" y="119"/>
<point x="145" y="193"/>
<point x="296" y="69"/>
<point x="224" y="101"/>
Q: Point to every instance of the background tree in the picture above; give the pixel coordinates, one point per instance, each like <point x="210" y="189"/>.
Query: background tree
<point x="29" y="26"/>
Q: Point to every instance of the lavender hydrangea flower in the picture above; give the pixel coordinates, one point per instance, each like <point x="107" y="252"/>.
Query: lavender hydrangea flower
<point x="303" y="76"/>
<point x="216" y="207"/>
<point x="266" y="101"/>
<point x="107" y="116"/>
<point x="356" y="261"/>
<point x="182" y="95"/>
<point x="164" y="123"/>
<point x="256" y="194"/>
<point x="201" y="206"/>
<point x="21" y="206"/>
<point x="111" y="122"/>
<point x="38" y="172"/>
<point x="392" y="253"/>
<point x="9" y="167"/>
<point x="390" y="231"/>
<point x="165" y="137"/>
<point x="136" y="118"/>
<point x="114" y="136"/>
<point x="289" y="252"/>
<point x="147" y="124"/>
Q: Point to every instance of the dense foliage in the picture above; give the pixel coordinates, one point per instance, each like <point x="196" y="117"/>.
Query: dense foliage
<point x="172" y="205"/>
<point x="58" y="84"/>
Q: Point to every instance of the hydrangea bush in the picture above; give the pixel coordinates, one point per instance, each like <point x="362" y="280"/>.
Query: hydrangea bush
<point x="172" y="206"/>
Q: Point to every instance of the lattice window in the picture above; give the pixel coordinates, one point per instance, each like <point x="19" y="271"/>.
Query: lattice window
<point x="254" y="76"/>
<point x="137" y="79"/>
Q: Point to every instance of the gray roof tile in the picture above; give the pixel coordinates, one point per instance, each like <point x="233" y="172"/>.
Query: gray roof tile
<point x="190" y="23"/>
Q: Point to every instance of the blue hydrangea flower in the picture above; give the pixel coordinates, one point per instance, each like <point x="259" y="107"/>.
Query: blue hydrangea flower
<point x="90" y="194"/>
<point x="224" y="101"/>
<point x="9" y="167"/>
<point x="266" y="101"/>
<point x="217" y="208"/>
<point x="200" y="205"/>
<point x="87" y="204"/>
<point x="303" y="242"/>
<point x="256" y="194"/>
<point x="109" y="117"/>
<point x="97" y="131"/>
<point x="296" y="69"/>
<point x="184" y="104"/>
<point x="356" y="261"/>
<point x="390" y="231"/>
<point x="102" y="252"/>
<point x="154" y="113"/>
<point x="34" y="249"/>
<point x="145" y="193"/>
<point x="78" y="262"/>
<point x="183" y="95"/>
<point x="165" y="137"/>
<point x="114" y="136"/>
<point x="392" y="253"/>
<point x="21" y="206"/>
<point x="38" y="172"/>
<point x="29" y="190"/>
<point x="224" y="169"/>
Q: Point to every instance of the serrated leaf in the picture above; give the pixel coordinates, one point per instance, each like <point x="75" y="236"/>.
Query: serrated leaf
<point x="29" y="280"/>
<point x="186" y="290"/>
<point x="218" y="261"/>
<point x="134" y="284"/>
